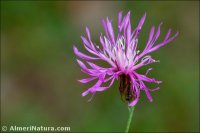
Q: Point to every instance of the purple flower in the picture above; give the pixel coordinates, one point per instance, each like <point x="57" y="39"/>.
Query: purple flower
<point x="120" y="51"/>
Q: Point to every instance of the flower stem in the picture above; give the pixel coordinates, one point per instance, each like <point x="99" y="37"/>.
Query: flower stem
<point x="131" y="109"/>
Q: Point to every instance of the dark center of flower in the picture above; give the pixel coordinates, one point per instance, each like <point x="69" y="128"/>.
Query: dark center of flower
<point x="125" y="88"/>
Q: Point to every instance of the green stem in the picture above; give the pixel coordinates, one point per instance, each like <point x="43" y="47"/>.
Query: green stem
<point x="131" y="109"/>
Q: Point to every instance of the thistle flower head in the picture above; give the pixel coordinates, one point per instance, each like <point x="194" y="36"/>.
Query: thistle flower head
<point x="120" y="52"/>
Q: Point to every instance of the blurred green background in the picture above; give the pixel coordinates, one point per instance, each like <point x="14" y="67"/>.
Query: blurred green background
<point x="39" y="71"/>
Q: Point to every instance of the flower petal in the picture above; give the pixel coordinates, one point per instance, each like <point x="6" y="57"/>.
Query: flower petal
<point x="124" y="22"/>
<point x="82" y="65"/>
<point x="128" y="34"/>
<point x="134" y="102"/>
<point x="163" y="43"/>
<point x="143" y="87"/>
<point x="87" y="80"/>
<point x="154" y="89"/>
<point x="94" y="66"/>
<point x="105" y="27"/>
<point x="157" y="34"/>
<point x="135" y="90"/>
<point x="148" y="94"/>
<point x="147" y="79"/>
<point x="85" y="93"/>
<point x="145" y="61"/>
<point x="167" y="35"/>
<point x="141" y="21"/>
<point x="86" y="70"/>
<point x="105" y="88"/>
<point x="102" y="41"/>
<point x="150" y="35"/>
<point x="148" y="70"/>
<point x="85" y="41"/>
<point x="83" y="56"/>
<point x="119" y="18"/>
<point x="88" y="33"/>
<point x="93" y="88"/>
<point x="139" y="27"/>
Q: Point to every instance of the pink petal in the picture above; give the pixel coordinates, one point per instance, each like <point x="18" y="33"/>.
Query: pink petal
<point x="85" y="41"/>
<point x="167" y="35"/>
<point x="110" y="31"/>
<point x="94" y="66"/>
<point x="139" y="27"/>
<point x="151" y="34"/>
<point x="163" y="43"/>
<point x="136" y="90"/>
<point x="124" y="22"/>
<point x="134" y="102"/>
<point x="88" y="33"/>
<point x="105" y="27"/>
<point x="128" y="33"/>
<point x="92" y="89"/>
<point x="141" y="21"/>
<point x="83" y="56"/>
<point x="148" y="70"/>
<point x="87" y="80"/>
<point x="147" y="79"/>
<point x="148" y="94"/>
<point x="119" y="18"/>
<point x="154" y="89"/>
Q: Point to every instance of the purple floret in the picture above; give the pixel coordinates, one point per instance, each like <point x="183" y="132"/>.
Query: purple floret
<point x="120" y="51"/>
